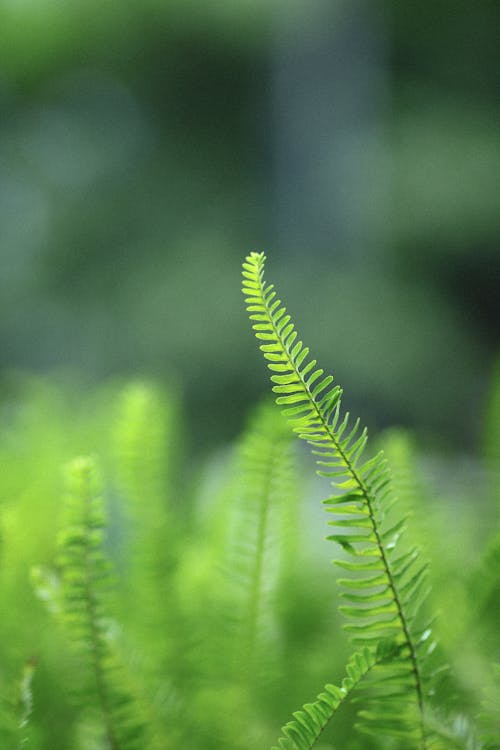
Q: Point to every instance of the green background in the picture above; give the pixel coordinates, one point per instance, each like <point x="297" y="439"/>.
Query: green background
<point x="146" y="147"/>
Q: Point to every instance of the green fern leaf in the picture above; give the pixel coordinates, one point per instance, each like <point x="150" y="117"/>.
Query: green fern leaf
<point x="145" y="445"/>
<point x="242" y="554"/>
<point x="385" y="597"/>
<point x="257" y="533"/>
<point x="85" y="587"/>
<point x="311" y="721"/>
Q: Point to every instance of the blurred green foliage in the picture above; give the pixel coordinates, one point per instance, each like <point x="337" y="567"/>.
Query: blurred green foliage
<point x="219" y="636"/>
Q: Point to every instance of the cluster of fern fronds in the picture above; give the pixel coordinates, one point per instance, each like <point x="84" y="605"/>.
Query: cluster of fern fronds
<point x="155" y="598"/>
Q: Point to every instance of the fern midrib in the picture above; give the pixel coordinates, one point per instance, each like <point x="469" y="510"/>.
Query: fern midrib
<point x="100" y="682"/>
<point x="369" y="504"/>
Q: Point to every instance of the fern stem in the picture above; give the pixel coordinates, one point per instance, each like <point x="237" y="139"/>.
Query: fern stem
<point x="368" y="501"/>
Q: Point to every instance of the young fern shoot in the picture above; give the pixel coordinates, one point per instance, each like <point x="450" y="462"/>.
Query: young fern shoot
<point x="384" y="591"/>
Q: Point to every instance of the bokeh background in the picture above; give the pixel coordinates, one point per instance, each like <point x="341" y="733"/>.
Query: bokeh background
<point x="147" y="146"/>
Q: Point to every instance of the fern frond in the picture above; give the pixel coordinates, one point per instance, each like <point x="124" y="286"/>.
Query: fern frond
<point x="256" y="534"/>
<point x="311" y="721"/>
<point x="384" y="600"/>
<point x="145" y="437"/>
<point x="240" y="653"/>
<point x="85" y="584"/>
<point x="144" y="446"/>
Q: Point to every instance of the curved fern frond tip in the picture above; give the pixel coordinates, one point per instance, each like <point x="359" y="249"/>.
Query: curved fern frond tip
<point x="309" y="400"/>
<point x="384" y="600"/>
